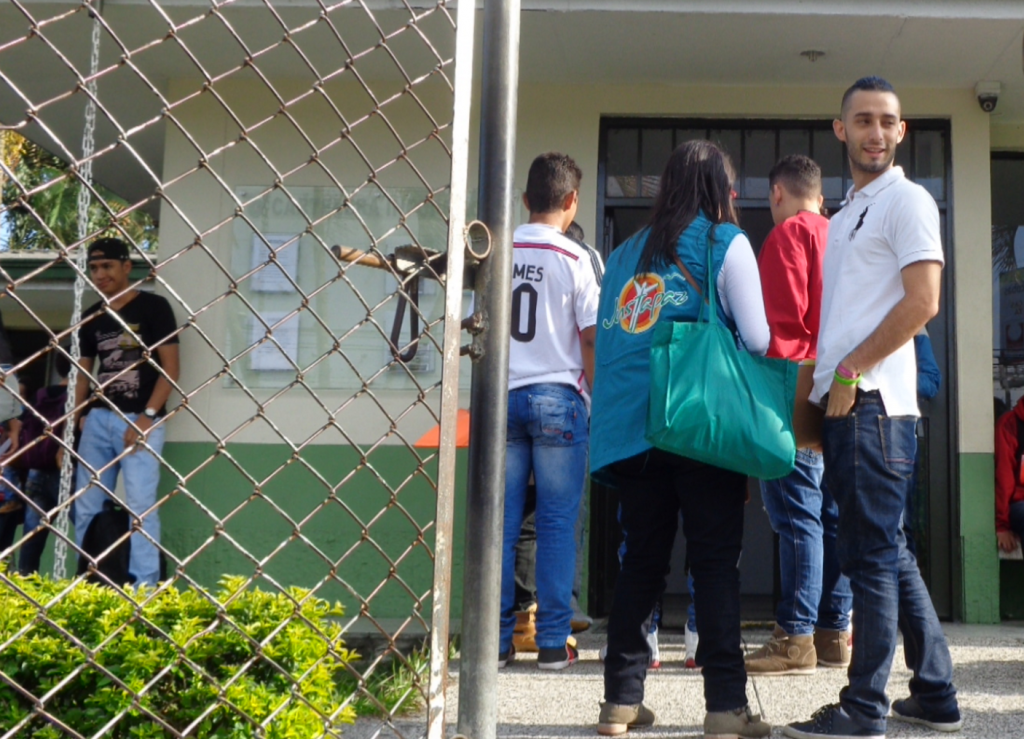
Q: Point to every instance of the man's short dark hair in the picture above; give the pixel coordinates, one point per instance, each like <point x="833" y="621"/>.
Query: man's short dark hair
<point x="552" y="178"/>
<point x="865" y="84"/>
<point x="575" y="232"/>
<point x="799" y="175"/>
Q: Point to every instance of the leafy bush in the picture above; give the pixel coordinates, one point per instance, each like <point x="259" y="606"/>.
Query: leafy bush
<point x="395" y="687"/>
<point x="256" y="658"/>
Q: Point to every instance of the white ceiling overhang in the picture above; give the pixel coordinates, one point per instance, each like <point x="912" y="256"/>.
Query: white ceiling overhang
<point x="929" y="44"/>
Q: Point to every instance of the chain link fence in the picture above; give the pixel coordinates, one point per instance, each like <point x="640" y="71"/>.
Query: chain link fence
<point x="291" y="178"/>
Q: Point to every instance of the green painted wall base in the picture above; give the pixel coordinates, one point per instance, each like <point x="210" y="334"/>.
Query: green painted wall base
<point x="358" y="529"/>
<point x="978" y="568"/>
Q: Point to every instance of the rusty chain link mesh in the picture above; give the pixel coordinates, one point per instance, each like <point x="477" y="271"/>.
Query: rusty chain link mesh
<point x="282" y="173"/>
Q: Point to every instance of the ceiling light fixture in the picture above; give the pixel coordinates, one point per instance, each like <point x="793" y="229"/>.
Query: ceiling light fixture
<point x="812" y="55"/>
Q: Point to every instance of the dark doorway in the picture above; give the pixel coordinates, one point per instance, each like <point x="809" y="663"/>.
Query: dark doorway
<point x="632" y="155"/>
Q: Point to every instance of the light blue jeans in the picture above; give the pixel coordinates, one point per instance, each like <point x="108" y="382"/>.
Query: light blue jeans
<point x="548" y="434"/>
<point x="804" y="515"/>
<point x="101" y="448"/>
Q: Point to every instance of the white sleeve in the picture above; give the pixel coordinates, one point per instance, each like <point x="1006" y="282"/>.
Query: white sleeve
<point x="739" y="285"/>
<point x="915" y="232"/>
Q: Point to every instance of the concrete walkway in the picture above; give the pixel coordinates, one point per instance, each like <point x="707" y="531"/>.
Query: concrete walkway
<point x="989" y="672"/>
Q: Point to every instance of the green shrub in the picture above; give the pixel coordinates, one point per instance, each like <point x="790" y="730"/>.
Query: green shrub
<point x="222" y="672"/>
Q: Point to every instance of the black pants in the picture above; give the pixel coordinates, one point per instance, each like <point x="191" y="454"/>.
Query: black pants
<point x="654" y="487"/>
<point x="526" y="554"/>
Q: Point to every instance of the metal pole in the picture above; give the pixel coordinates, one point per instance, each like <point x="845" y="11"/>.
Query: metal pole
<point x="446" y="462"/>
<point x="481" y="593"/>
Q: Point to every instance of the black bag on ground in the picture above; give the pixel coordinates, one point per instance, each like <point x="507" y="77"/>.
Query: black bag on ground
<point x="107" y="527"/>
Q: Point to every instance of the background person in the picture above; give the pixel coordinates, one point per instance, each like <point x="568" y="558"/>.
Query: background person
<point x="929" y="380"/>
<point x="1010" y="479"/>
<point x="129" y="339"/>
<point x="693" y="213"/>
<point x="526" y="547"/>
<point x="41" y="460"/>
<point x="554" y="308"/>
<point x="812" y="622"/>
<point x="882" y="277"/>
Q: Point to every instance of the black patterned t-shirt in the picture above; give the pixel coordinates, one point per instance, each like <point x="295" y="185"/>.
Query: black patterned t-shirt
<point x="125" y="347"/>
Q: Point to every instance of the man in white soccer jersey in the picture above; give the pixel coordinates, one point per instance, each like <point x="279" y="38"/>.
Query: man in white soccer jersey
<point x="555" y="289"/>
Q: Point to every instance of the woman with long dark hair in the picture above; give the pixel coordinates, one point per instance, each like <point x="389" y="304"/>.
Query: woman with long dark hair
<point x="662" y="274"/>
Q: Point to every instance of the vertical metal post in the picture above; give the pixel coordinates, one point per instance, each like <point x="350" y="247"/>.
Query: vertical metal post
<point x="481" y="593"/>
<point x="446" y="463"/>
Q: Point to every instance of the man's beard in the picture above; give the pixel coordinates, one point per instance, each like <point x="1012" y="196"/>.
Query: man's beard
<point x="871" y="167"/>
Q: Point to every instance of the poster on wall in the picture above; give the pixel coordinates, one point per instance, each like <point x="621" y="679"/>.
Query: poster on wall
<point x="273" y="277"/>
<point x="267" y="357"/>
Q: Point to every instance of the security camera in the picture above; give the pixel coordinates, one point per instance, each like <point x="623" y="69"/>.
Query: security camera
<point x="988" y="95"/>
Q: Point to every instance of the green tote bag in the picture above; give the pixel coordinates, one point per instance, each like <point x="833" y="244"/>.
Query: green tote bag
<point x="715" y="403"/>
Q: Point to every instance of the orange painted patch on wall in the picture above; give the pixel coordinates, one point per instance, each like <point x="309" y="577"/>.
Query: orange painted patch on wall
<point x="432" y="439"/>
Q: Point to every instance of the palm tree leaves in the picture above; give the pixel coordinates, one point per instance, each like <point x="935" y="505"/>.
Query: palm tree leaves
<point x="40" y="203"/>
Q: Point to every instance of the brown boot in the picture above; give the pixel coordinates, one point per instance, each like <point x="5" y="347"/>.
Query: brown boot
<point x="525" y="635"/>
<point x="833" y="647"/>
<point x="783" y="655"/>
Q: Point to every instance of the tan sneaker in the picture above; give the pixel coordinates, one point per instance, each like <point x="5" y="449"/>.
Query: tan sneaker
<point x="737" y="724"/>
<point x="783" y="655"/>
<point x="616" y="719"/>
<point x="833" y="647"/>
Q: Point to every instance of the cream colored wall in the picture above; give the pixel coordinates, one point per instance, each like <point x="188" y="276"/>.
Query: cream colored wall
<point x="568" y="118"/>
<point x="1008" y="137"/>
<point x="198" y="277"/>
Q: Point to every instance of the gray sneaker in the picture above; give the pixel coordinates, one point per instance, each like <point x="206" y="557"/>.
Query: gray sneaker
<point x="739" y="723"/>
<point x="616" y="719"/>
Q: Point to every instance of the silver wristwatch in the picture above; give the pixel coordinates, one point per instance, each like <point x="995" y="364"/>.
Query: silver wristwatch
<point x="149" y="413"/>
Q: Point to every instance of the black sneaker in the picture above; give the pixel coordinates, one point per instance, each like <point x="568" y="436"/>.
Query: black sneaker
<point x="910" y="711"/>
<point x="507" y="656"/>
<point x="558" y="658"/>
<point x="830" y="721"/>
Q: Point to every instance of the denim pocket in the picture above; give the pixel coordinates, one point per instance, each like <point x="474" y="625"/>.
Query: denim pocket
<point x="555" y="416"/>
<point x="899" y="444"/>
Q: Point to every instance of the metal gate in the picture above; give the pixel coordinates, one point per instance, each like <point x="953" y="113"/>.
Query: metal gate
<point x="292" y="178"/>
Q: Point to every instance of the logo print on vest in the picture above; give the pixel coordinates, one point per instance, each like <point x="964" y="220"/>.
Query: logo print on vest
<point x="640" y="303"/>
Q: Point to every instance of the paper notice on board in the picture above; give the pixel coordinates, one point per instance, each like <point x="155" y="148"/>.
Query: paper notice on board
<point x="272" y="276"/>
<point x="267" y="357"/>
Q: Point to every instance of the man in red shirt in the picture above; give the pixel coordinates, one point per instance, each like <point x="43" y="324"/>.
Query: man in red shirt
<point x="1009" y="482"/>
<point x="812" y="621"/>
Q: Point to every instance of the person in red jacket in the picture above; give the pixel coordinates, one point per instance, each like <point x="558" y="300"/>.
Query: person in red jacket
<point x="812" y="623"/>
<point x="1009" y="480"/>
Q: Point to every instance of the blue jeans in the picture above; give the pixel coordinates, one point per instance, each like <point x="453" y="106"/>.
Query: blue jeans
<point x="654" y="488"/>
<point x="1017" y="519"/>
<point x="43" y="490"/>
<point x="548" y="435"/>
<point x="814" y="591"/>
<point x="869" y="462"/>
<point x="103" y="456"/>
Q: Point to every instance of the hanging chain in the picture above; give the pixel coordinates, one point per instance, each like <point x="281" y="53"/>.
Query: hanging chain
<point x="67" y="469"/>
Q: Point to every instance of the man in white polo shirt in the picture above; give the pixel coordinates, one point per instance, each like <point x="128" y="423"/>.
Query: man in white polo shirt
<point x="882" y="273"/>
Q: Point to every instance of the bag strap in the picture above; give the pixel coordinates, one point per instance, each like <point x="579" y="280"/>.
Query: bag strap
<point x="688" y="276"/>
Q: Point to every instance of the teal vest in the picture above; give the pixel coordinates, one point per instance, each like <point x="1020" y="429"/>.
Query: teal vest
<point x="630" y="307"/>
